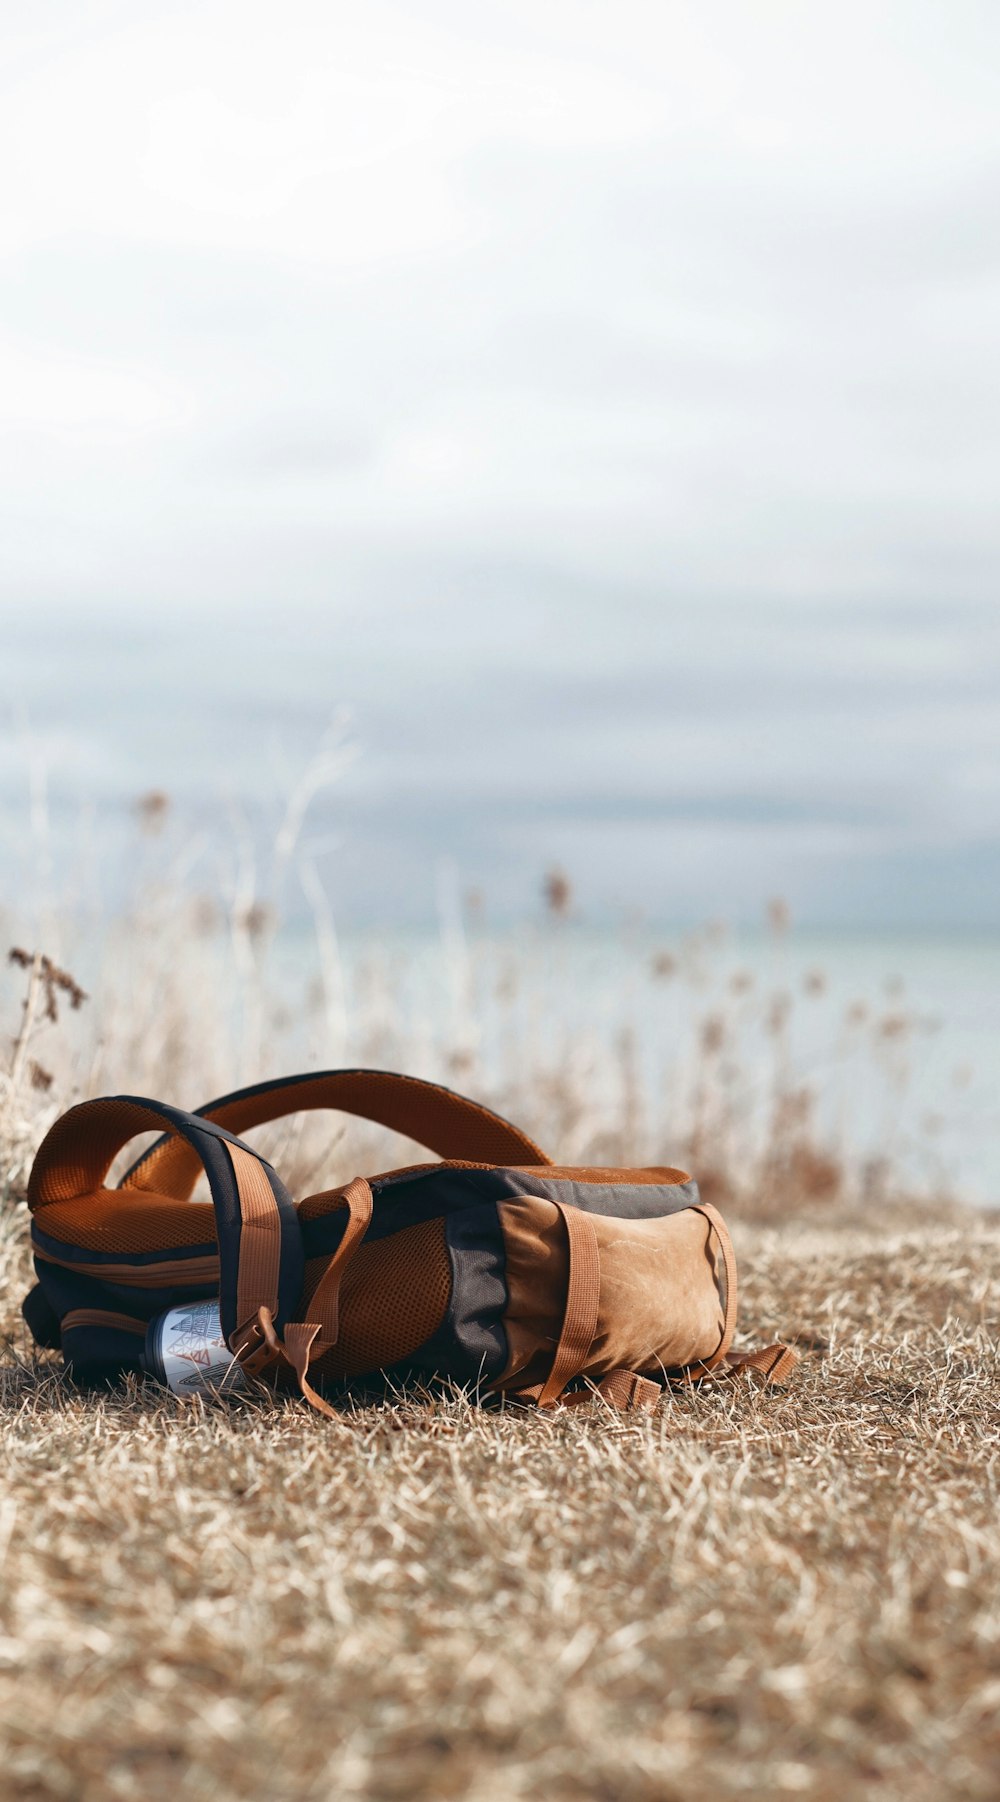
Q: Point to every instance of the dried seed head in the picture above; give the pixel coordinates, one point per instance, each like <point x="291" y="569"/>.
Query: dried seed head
<point x="713" y="1034"/>
<point x="152" y="809"/>
<point x="558" y="892"/>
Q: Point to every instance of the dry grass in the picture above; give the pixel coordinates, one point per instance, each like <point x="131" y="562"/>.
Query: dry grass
<point x="752" y="1594"/>
<point x="748" y="1595"/>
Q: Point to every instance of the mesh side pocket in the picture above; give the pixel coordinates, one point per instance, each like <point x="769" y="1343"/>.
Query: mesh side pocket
<point x="394" y="1296"/>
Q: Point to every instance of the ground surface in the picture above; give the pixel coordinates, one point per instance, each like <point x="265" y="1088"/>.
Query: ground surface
<point x="751" y="1595"/>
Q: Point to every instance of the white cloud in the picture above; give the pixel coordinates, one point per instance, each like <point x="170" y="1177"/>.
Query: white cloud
<point x="541" y="345"/>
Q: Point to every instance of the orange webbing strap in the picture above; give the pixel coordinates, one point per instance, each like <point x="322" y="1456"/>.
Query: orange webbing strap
<point x="260" y="1234"/>
<point x="296" y="1348"/>
<point x="627" y="1390"/>
<point x="774" y="1363"/>
<point x="325" y="1303"/>
<point x="104" y="1317"/>
<point x="260" y="1244"/>
<point x="583" y="1289"/>
<point x="450" y="1125"/>
<point x="305" y="1340"/>
<point x="624" y="1390"/>
<point x="693" y="1372"/>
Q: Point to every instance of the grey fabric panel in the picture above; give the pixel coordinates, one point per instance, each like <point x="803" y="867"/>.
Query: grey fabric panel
<point x="410" y="1197"/>
<point x="403" y="1199"/>
<point x="470" y="1345"/>
<point x="624" y="1201"/>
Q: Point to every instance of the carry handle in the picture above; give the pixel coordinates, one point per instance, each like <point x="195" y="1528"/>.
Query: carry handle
<point x="583" y="1293"/>
<point x="260" y="1244"/>
<point x="450" y="1125"/>
<point x="694" y="1372"/>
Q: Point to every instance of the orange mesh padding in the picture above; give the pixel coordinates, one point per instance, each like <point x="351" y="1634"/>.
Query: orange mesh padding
<point x="129" y="1220"/>
<point x="78" y="1151"/>
<point x="394" y="1296"/>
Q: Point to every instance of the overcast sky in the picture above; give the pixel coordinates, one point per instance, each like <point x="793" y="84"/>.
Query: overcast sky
<point x="600" y="402"/>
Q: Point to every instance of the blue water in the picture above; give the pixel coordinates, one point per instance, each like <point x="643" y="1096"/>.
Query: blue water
<point x="896" y="1036"/>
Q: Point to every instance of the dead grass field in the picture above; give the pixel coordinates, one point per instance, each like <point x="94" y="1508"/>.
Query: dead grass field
<point x="750" y="1594"/>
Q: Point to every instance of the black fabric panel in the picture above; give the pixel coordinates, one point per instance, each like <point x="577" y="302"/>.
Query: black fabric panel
<point x="625" y="1201"/>
<point x="39" y="1318"/>
<point x="168" y="1254"/>
<point x="424" y="1197"/>
<point x="292" y="1268"/>
<point x="67" y="1289"/>
<point x="228" y="1220"/>
<point x="470" y="1345"/>
<point x="321" y="1237"/>
<point x="405" y="1200"/>
<point x="99" y="1355"/>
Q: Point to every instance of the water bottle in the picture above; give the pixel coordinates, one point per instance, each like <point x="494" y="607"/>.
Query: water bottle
<point x="186" y="1350"/>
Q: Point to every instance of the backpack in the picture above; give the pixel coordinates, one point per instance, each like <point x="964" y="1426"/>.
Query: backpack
<point x="491" y="1267"/>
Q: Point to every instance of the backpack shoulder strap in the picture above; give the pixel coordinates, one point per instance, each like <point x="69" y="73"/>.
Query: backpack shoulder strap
<point x="450" y="1125"/>
<point x="260" y="1244"/>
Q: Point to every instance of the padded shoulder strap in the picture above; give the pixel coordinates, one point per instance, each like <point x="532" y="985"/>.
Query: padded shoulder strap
<point x="260" y="1244"/>
<point x="450" y="1125"/>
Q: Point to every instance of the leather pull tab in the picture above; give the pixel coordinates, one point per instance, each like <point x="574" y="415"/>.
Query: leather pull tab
<point x="627" y="1390"/>
<point x="773" y="1363"/>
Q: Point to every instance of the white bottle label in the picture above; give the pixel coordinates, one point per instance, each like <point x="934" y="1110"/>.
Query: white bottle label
<point x="194" y="1356"/>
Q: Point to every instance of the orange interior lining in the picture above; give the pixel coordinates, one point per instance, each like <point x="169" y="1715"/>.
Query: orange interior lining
<point x="593" y="1173"/>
